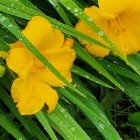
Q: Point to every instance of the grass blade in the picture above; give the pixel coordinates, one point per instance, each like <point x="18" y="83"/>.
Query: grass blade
<point x="61" y="12"/>
<point x="131" y="89"/>
<point x="62" y="121"/>
<point x="10" y="126"/>
<point x="30" y="126"/>
<point x="77" y="70"/>
<point x="92" y="110"/>
<point x="119" y="70"/>
<point x="42" y="119"/>
<point x="94" y="64"/>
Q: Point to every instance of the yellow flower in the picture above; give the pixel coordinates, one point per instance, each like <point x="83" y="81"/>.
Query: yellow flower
<point x="119" y="20"/>
<point x="31" y="90"/>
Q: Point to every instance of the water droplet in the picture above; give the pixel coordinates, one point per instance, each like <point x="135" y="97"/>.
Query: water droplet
<point x="10" y="25"/>
<point x="73" y="129"/>
<point x="115" y="62"/>
<point x="21" y="39"/>
<point x="68" y="8"/>
<point x="20" y="139"/>
<point x="2" y="19"/>
<point x="102" y="126"/>
<point x="75" y="10"/>
<point x="89" y="19"/>
<point x="101" y="33"/>
<point x="62" y="110"/>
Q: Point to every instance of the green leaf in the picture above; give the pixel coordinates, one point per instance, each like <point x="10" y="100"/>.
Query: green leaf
<point x="10" y="104"/>
<point x="94" y="64"/>
<point x="77" y="70"/>
<point x="131" y="89"/>
<point x="91" y="108"/>
<point x="10" y="127"/>
<point x="3" y="45"/>
<point x="30" y="126"/>
<point x="13" y="11"/>
<point x="134" y="59"/>
<point x="42" y="119"/>
<point x="61" y="12"/>
<point x="119" y="70"/>
<point x="2" y="70"/>
<point x="62" y="121"/>
<point x="134" y="120"/>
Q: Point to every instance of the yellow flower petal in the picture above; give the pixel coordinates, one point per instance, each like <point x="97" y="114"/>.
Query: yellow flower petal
<point x="31" y="95"/>
<point x="95" y="13"/>
<point x="20" y="61"/>
<point x="68" y="43"/>
<point x="56" y="41"/>
<point x="130" y="37"/>
<point x="81" y="26"/>
<point x="38" y="30"/>
<point x="97" y="50"/>
<point x="112" y="8"/>
<point x="62" y="59"/>
<point x="92" y="48"/>
<point x="17" y="44"/>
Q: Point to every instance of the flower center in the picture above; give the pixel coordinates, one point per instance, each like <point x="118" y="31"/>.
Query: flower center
<point x="38" y="65"/>
<point x="117" y="26"/>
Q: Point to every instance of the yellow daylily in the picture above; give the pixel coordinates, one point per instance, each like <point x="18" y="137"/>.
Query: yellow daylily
<point x="32" y="89"/>
<point x="119" y="20"/>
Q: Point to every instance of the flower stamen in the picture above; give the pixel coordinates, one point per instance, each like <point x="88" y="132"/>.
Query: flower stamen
<point x="117" y="26"/>
<point x="38" y="65"/>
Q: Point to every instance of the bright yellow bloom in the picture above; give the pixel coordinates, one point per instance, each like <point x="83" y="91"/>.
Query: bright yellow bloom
<point x="31" y="90"/>
<point x="119" y="20"/>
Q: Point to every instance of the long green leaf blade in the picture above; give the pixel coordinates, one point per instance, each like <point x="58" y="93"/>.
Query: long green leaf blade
<point x="9" y="125"/>
<point x="62" y="121"/>
<point x="94" y="113"/>
<point x="42" y="119"/>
